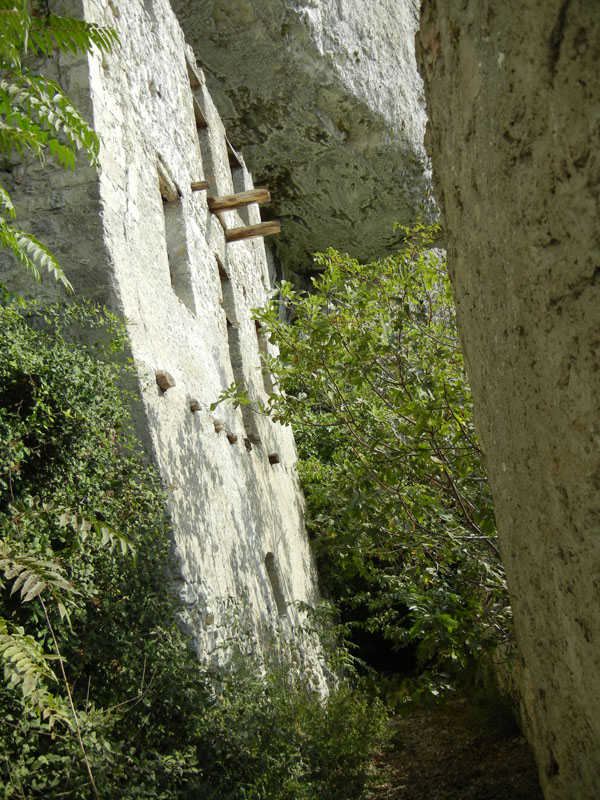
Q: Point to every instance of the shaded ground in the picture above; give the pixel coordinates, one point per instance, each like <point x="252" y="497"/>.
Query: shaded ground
<point x="440" y="754"/>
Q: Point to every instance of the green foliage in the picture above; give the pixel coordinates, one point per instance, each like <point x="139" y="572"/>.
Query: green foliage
<point x="24" y="662"/>
<point x="36" y="116"/>
<point x="271" y="738"/>
<point x="371" y="376"/>
<point x="493" y="711"/>
<point x="99" y="680"/>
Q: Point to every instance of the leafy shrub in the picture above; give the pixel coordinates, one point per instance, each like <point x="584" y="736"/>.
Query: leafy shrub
<point x="274" y="740"/>
<point x="371" y="377"/>
<point x="134" y="715"/>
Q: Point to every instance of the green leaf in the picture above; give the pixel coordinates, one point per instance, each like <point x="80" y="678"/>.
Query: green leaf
<point x="36" y="116"/>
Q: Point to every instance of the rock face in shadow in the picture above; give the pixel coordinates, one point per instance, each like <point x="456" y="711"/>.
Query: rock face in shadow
<point x="325" y="103"/>
<point x="514" y="105"/>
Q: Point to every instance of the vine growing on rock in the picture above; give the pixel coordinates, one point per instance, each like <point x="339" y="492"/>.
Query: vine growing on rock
<point x="370" y="375"/>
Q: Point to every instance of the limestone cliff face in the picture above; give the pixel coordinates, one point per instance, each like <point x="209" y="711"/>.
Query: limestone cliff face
<point x="325" y="102"/>
<point x="139" y="237"/>
<point x="514" y="102"/>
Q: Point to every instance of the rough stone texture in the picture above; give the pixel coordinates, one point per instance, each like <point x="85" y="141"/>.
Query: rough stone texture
<point x="237" y="516"/>
<point x="514" y="102"/>
<point x="324" y="99"/>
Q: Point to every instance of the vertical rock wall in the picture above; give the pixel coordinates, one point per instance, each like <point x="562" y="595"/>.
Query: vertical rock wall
<point x="140" y="238"/>
<point x="513" y="96"/>
<point x="324" y="98"/>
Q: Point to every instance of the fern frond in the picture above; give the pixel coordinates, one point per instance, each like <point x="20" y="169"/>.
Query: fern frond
<point x="37" y="106"/>
<point x="69" y="35"/>
<point x="20" y="32"/>
<point x="14" y="24"/>
<point x="24" y="660"/>
<point x="105" y="532"/>
<point x="36" y="115"/>
<point x="31" y="253"/>
<point x="30" y="574"/>
<point x="83" y="525"/>
<point x="14" y="138"/>
<point x="27" y="667"/>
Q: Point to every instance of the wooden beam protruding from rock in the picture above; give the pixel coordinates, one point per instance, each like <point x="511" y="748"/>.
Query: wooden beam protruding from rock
<point x="230" y="202"/>
<point x="198" y="186"/>
<point x="249" y="231"/>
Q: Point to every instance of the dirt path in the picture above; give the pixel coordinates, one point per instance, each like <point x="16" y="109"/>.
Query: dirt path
<point x="439" y="755"/>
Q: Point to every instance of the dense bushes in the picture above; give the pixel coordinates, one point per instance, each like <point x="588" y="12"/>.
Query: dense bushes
<point x="85" y="542"/>
<point x="399" y="507"/>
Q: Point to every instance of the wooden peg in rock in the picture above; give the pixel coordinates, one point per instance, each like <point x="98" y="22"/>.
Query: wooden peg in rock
<point x="249" y="231"/>
<point x="229" y="202"/>
<point x="273" y="458"/>
<point x="194" y="406"/>
<point x="199" y="186"/>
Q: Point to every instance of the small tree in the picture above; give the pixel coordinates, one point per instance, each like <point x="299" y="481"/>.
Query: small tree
<point x="36" y="117"/>
<point x="371" y="377"/>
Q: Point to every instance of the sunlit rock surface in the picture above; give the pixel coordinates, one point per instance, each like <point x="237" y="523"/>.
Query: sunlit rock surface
<point x="138" y="237"/>
<point x="514" y="104"/>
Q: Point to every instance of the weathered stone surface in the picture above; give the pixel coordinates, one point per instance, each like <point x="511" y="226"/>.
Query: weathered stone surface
<point x="514" y="102"/>
<point x="139" y="238"/>
<point x="325" y="101"/>
<point x="164" y="380"/>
